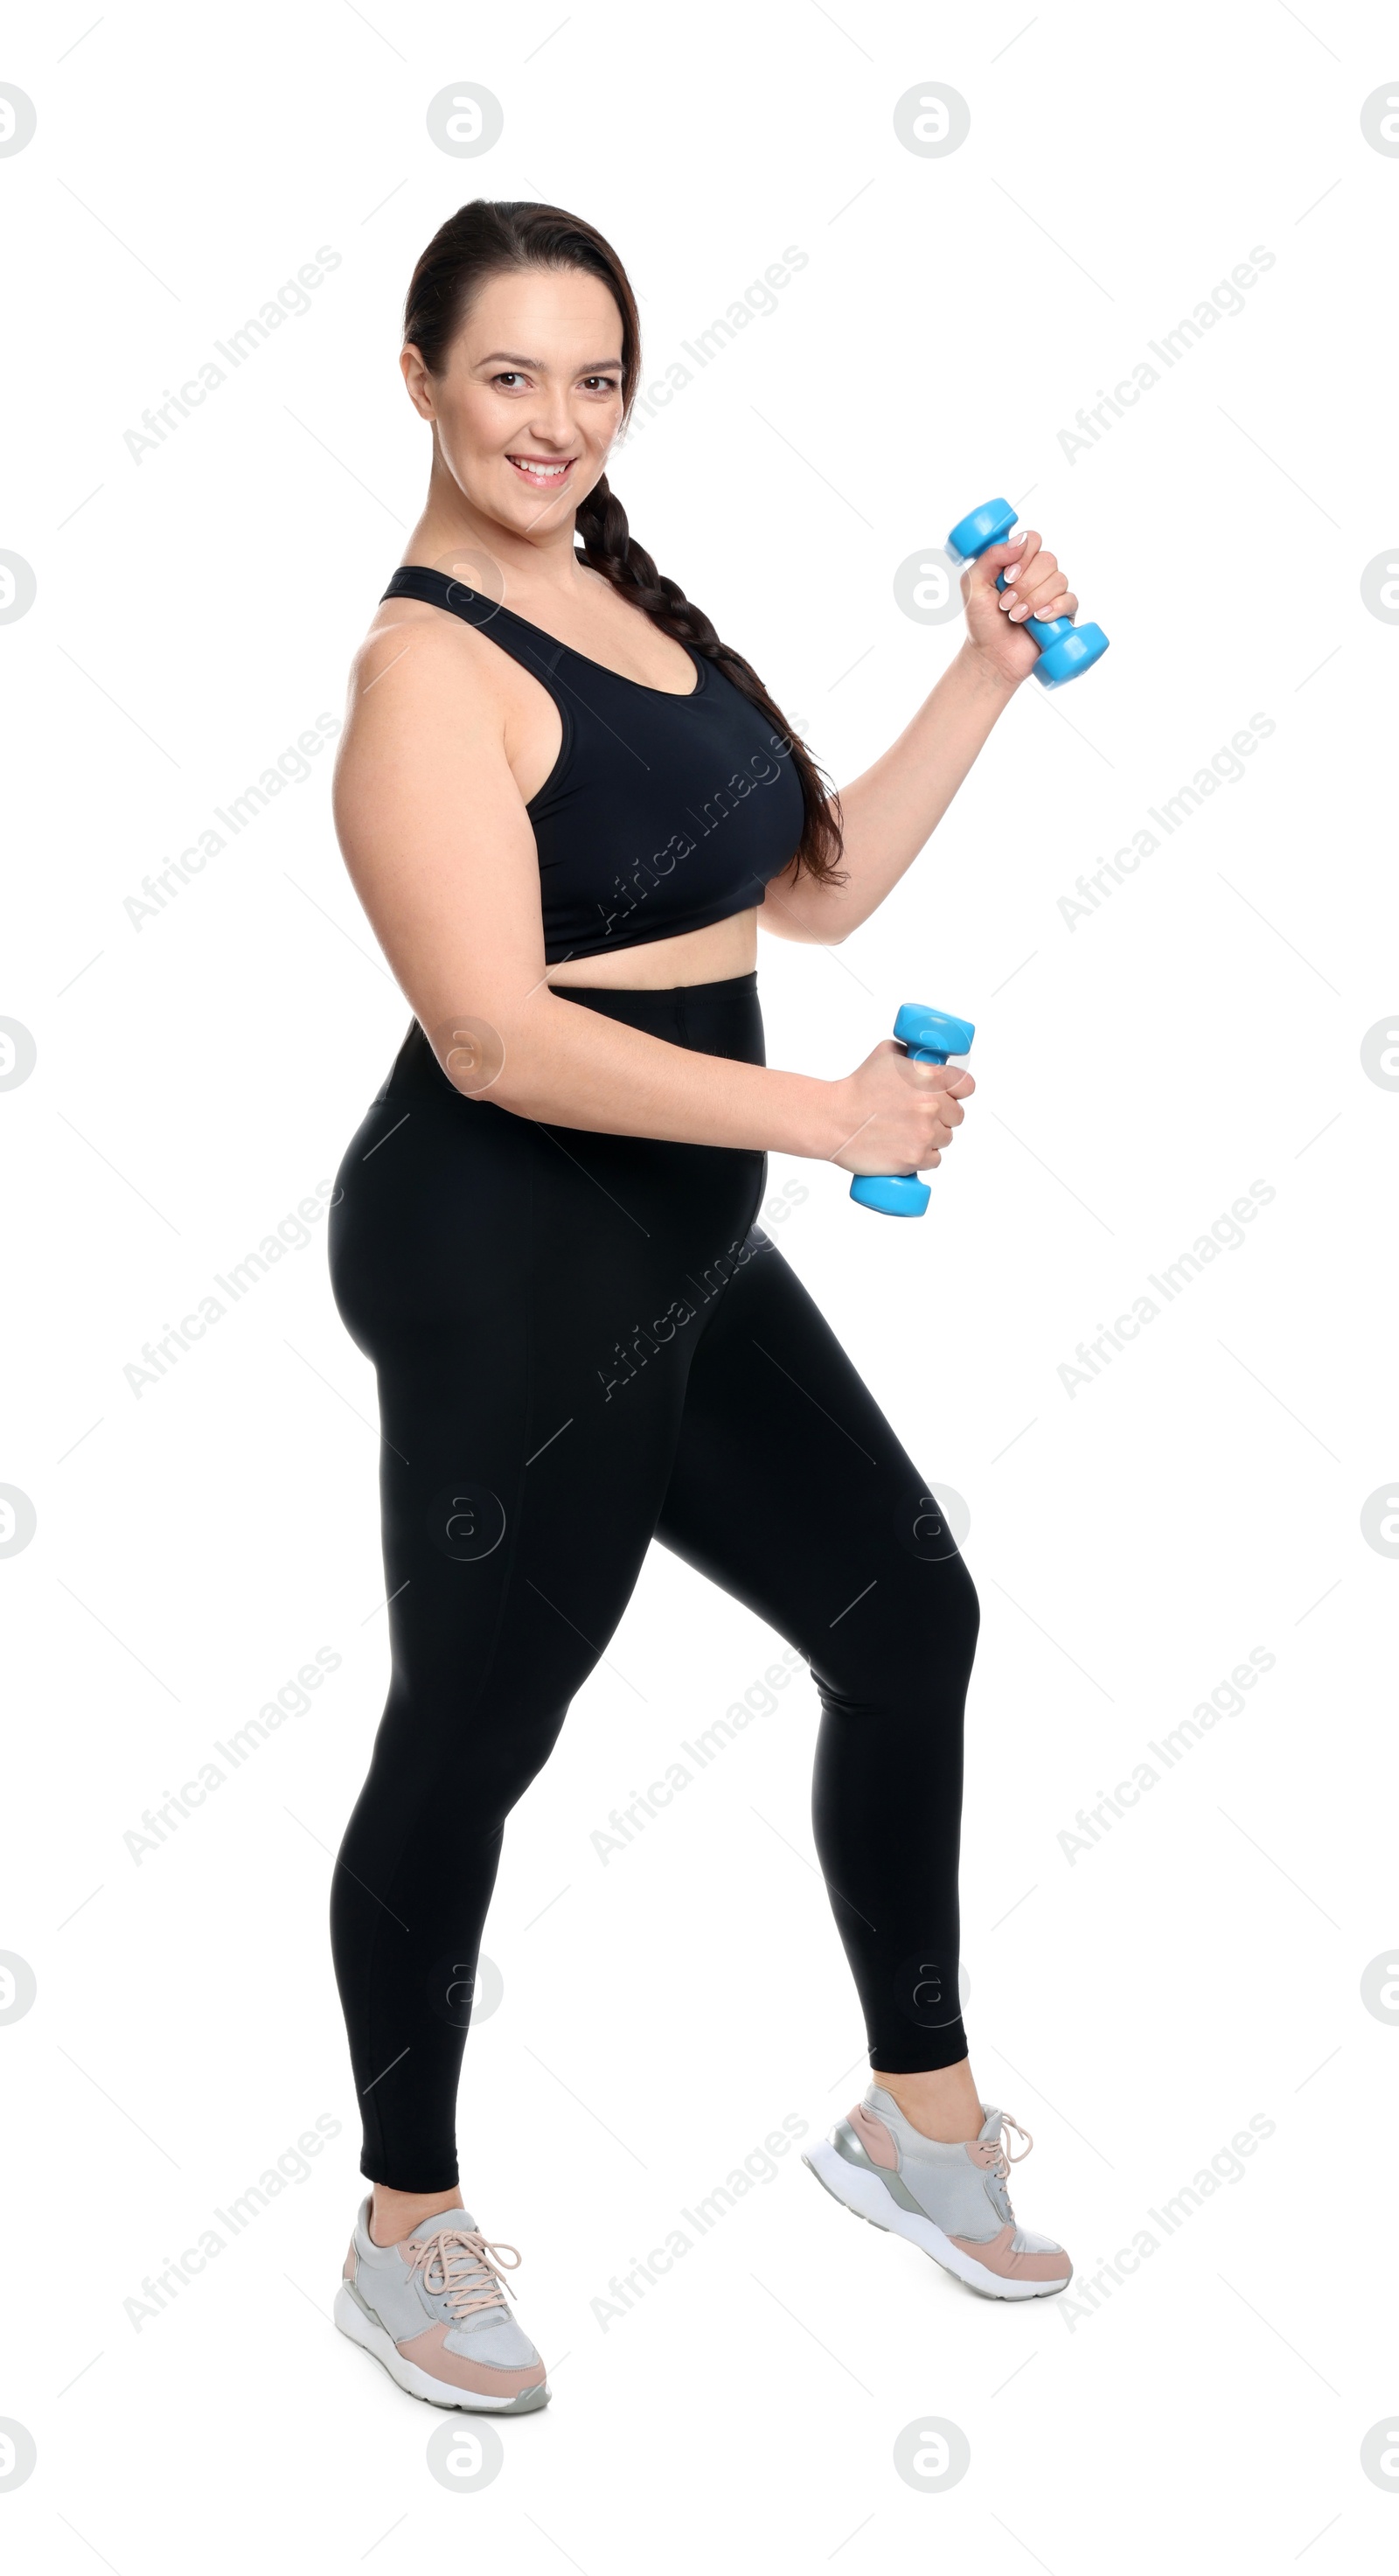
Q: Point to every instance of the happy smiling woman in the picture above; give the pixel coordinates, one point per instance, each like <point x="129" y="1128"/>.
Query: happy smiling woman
<point x="566" y="806"/>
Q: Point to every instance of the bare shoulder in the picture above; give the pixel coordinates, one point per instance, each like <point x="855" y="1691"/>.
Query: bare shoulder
<point x="424" y="740"/>
<point x="413" y="661"/>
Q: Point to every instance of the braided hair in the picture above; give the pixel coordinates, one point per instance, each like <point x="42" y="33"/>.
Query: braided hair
<point x="482" y="240"/>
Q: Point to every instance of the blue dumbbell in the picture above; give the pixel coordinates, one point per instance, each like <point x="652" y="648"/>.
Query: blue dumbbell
<point x="930" y="1037"/>
<point x="1065" y="649"/>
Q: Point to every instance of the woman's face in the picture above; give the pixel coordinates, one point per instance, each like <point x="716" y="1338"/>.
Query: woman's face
<point x="530" y="399"/>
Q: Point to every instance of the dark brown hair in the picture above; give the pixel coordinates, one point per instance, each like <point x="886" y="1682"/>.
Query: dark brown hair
<point x="490" y="236"/>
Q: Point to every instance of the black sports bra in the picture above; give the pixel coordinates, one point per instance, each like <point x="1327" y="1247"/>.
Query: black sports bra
<point x="662" y="813"/>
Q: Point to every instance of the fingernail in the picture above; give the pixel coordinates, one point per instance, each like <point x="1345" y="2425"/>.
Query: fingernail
<point x="1007" y="599"/>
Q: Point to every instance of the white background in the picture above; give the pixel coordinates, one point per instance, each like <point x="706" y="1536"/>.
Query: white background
<point x="1131" y="1541"/>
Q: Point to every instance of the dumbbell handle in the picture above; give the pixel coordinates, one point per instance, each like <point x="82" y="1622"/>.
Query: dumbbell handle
<point x="1064" y="649"/>
<point x="928" y="1037"/>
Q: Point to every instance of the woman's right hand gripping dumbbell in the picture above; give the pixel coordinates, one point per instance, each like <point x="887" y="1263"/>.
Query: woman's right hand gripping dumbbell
<point x="899" y="1114"/>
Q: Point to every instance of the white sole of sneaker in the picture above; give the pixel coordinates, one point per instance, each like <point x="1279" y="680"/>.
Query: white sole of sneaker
<point x="866" y="2196"/>
<point x="375" y="2339"/>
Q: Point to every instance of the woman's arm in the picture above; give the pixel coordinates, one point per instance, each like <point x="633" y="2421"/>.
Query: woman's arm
<point x="891" y="810"/>
<point x="438" y="844"/>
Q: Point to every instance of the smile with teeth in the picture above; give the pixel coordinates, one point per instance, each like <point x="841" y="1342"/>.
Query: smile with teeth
<point x="538" y="469"/>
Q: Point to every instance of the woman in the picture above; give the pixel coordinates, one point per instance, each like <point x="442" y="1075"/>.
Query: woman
<point x="565" y="805"/>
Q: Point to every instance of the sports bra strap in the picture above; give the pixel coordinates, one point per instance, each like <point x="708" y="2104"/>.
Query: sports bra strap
<point x="527" y="644"/>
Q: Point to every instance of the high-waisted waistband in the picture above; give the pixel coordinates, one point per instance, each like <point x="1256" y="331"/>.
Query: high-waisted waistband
<point x="723" y="1018"/>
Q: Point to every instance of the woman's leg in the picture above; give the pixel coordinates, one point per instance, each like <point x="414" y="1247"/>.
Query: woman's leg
<point x="530" y="1301"/>
<point x="512" y="1539"/>
<point x="791" y="1491"/>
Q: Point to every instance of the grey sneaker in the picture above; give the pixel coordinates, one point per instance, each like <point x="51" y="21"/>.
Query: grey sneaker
<point x="433" y="2312"/>
<point x="954" y="2201"/>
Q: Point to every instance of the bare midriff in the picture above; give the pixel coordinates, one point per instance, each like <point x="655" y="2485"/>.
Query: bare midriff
<point x="706" y="956"/>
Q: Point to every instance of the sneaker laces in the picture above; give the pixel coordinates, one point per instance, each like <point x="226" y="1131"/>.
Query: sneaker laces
<point x="1004" y="2159"/>
<point x="459" y="2265"/>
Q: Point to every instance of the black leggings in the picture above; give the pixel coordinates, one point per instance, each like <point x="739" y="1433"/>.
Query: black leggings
<point x="584" y="1342"/>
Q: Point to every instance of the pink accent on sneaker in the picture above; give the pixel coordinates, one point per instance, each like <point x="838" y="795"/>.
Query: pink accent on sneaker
<point x="351" y="2259"/>
<point x="876" y="2139"/>
<point x="983" y="2151"/>
<point x="997" y="2256"/>
<point x="428" y="2351"/>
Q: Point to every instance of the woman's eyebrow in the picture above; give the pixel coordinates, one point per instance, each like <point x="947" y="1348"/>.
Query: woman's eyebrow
<point x="592" y="367"/>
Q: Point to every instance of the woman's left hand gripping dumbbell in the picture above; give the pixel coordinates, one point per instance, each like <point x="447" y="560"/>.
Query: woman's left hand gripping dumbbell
<point x="1035" y="587"/>
<point x="899" y="1115"/>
